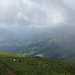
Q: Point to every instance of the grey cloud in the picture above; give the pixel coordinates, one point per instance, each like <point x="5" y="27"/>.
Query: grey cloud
<point x="36" y="12"/>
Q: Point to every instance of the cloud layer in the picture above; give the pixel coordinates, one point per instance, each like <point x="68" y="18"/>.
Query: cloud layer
<point x="37" y="12"/>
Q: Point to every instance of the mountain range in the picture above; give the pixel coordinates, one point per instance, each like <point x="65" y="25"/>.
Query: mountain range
<point x="52" y="43"/>
<point x="59" y="48"/>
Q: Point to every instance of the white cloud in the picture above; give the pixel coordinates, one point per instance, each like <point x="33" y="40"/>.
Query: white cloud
<point x="30" y="4"/>
<point x="70" y="3"/>
<point x="37" y="12"/>
<point x="22" y="16"/>
<point x="55" y="17"/>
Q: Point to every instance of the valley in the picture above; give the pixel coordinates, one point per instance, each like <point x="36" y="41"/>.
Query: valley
<point x="59" y="48"/>
<point x="37" y="37"/>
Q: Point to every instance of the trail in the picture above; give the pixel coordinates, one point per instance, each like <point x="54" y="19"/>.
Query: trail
<point x="8" y="69"/>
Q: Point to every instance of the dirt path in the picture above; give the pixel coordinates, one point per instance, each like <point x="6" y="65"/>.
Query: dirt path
<point x="9" y="71"/>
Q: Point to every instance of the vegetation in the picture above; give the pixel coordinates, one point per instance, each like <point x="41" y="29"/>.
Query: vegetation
<point x="2" y="70"/>
<point x="60" y="48"/>
<point x="35" y="66"/>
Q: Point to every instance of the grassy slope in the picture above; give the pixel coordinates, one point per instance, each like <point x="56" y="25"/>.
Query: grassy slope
<point x="4" y="55"/>
<point x="35" y="66"/>
<point x="2" y="70"/>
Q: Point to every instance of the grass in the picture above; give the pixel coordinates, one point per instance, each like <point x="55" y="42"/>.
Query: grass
<point x="4" y="54"/>
<point x="2" y="70"/>
<point x="35" y="66"/>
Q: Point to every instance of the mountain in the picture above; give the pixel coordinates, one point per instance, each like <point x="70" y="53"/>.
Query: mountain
<point x="8" y="41"/>
<point x="11" y="39"/>
<point x="59" y="48"/>
<point x="14" y="38"/>
<point x="33" y="66"/>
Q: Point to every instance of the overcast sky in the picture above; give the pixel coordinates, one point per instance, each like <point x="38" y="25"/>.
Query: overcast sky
<point x="38" y="13"/>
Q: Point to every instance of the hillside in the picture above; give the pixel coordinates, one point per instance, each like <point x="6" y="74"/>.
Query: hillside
<point x="59" y="48"/>
<point x="4" y="54"/>
<point x="33" y="66"/>
<point x="3" y="65"/>
<point x="13" y="38"/>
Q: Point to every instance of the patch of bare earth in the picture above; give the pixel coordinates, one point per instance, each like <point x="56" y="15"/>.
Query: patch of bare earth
<point x="9" y="71"/>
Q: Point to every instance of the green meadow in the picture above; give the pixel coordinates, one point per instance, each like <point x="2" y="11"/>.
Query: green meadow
<point x="34" y="66"/>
